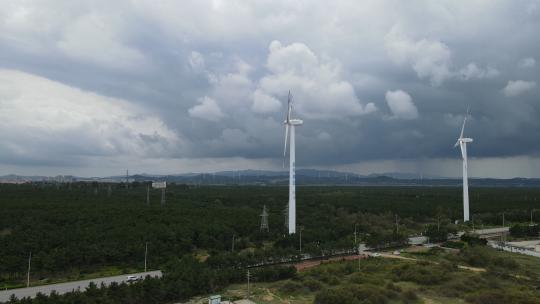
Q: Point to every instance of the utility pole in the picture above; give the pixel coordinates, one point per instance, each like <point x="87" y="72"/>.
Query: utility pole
<point x="248" y="291"/>
<point x="28" y="273"/>
<point x="355" y="234"/>
<point x="148" y="194"/>
<point x="145" y="255"/>
<point x="359" y="257"/>
<point x="301" y="228"/>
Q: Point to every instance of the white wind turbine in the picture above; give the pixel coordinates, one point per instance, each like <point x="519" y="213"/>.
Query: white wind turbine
<point x="462" y="142"/>
<point x="289" y="127"/>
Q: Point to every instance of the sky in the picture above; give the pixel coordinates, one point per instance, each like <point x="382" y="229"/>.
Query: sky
<point x="90" y="88"/>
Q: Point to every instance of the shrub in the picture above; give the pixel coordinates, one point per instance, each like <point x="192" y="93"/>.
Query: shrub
<point x="368" y="294"/>
<point x="421" y="273"/>
<point x="454" y="244"/>
<point x="276" y="273"/>
<point x="291" y="287"/>
<point x="410" y="295"/>
<point x="313" y="285"/>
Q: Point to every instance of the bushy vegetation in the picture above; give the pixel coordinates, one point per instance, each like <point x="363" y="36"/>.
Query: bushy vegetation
<point x="523" y="230"/>
<point x="184" y="278"/>
<point x="422" y="273"/>
<point x="82" y="228"/>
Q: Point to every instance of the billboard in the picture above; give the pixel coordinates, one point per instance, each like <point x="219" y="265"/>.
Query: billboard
<point x="159" y="185"/>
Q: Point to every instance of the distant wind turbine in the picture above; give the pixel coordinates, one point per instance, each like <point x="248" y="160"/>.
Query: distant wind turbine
<point x="289" y="128"/>
<point x="462" y="143"/>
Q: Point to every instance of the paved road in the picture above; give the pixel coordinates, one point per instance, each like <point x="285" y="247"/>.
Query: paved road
<point x="62" y="288"/>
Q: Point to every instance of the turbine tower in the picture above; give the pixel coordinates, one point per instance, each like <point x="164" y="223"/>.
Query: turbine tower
<point x="462" y="143"/>
<point x="289" y="128"/>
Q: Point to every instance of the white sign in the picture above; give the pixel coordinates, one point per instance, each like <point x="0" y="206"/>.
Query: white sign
<point x="159" y="185"/>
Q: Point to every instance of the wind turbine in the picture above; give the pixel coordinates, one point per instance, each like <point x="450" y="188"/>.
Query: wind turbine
<point x="462" y="143"/>
<point x="289" y="128"/>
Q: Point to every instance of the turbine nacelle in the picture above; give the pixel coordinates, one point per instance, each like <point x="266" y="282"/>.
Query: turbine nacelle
<point x="463" y="140"/>
<point x="289" y="122"/>
<point x="294" y="122"/>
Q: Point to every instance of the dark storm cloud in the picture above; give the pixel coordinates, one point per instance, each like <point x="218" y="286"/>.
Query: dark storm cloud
<point x="208" y="79"/>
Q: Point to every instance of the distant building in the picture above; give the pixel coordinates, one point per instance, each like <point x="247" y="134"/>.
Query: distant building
<point x="491" y="232"/>
<point x="214" y="299"/>
<point x="418" y="240"/>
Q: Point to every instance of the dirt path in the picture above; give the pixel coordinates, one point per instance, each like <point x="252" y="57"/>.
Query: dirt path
<point x="476" y="269"/>
<point x="392" y="256"/>
<point x="302" y="266"/>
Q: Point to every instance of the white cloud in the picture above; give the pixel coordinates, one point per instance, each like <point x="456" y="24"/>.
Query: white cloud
<point x="50" y="120"/>
<point x="98" y="39"/>
<point x="429" y="59"/>
<point x="401" y="105"/>
<point x="263" y="103"/>
<point x="528" y="62"/>
<point x="207" y="109"/>
<point x="472" y="71"/>
<point x="518" y="87"/>
<point x="317" y="86"/>
<point x="196" y="61"/>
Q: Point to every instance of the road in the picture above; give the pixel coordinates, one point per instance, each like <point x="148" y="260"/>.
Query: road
<point x="62" y="288"/>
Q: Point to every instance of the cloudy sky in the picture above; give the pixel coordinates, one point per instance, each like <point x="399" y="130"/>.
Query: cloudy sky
<point x="94" y="87"/>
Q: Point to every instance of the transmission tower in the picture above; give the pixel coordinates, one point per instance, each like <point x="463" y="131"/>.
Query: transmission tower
<point x="264" y="219"/>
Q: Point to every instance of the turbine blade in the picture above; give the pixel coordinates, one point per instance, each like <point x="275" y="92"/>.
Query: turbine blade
<point x="463" y="127"/>
<point x="285" y="146"/>
<point x="456" y="144"/>
<point x="289" y="107"/>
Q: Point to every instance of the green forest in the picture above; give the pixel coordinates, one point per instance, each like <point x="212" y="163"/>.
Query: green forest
<point x="82" y="229"/>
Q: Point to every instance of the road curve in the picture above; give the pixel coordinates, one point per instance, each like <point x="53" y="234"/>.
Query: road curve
<point x="62" y="288"/>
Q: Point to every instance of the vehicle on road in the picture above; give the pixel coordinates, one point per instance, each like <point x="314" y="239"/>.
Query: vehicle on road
<point x="132" y="278"/>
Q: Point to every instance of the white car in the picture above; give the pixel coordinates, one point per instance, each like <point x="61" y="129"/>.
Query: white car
<point x="396" y="252"/>
<point x="375" y="254"/>
<point x="132" y="278"/>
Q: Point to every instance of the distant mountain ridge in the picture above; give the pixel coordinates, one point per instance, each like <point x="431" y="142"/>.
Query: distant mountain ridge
<point x="267" y="177"/>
